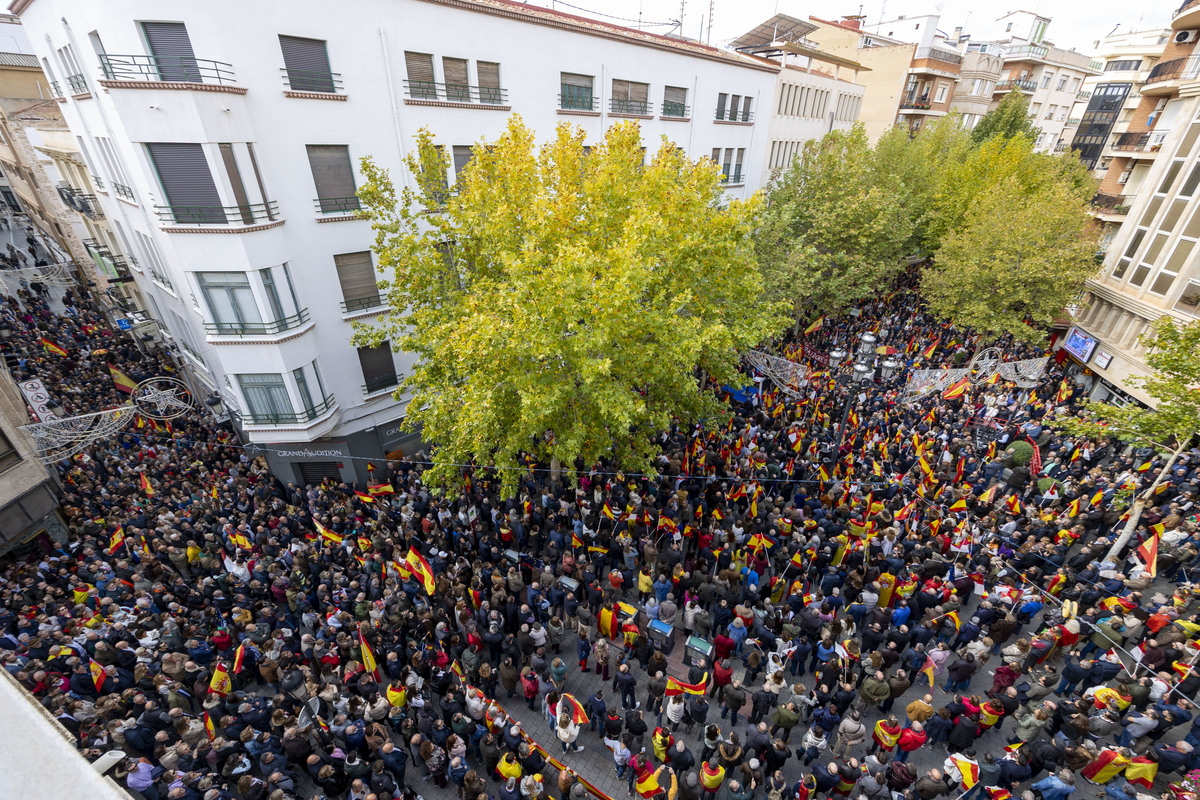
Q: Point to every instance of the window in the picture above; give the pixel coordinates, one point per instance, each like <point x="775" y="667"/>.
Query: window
<point x="306" y="396"/>
<point x="1123" y="65"/>
<point x="576" y="92"/>
<point x="306" y="62"/>
<point x="725" y="167"/>
<point x="942" y="90"/>
<point x="1008" y="28"/>
<point x="333" y="176"/>
<point x="421" y="81"/>
<point x="462" y="157"/>
<point x="1170" y="271"/>
<point x="230" y="300"/>
<point x="629" y="97"/>
<point x="356" y="275"/>
<point x="737" y="167"/>
<point x="1062" y="83"/>
<point x="172" y="51"/>
<point x="746" y="108"/>
<point x="489" y="82"/>
<point x="187" y="182"/>
<point x="1046" y="78"/>
<point x="9" y="457"/>
<point x="722" y="101"/>
<point x="266" y="396"/>
<point x="458" y="85"/>
<point x="378" y="368"/>
<point x="675" y="101"/>
<point x="272" y="293"/>
<point x="977" y="86"/>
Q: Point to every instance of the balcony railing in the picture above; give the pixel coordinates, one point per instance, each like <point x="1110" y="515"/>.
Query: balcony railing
<point x="938" y="55"/>
<point x="121" y="190"/>
<point x="291" y="417"/>
<point x="577" y="100"/>
<point x="218" y="215"/>
<point x="1083" y="96"/>
<point x="1175" y="69"/>
<point x="455" y="93"/>
<point x="1185" y="7"/>
<point x="338" y="205"/>
<point x="633" y="107"/>
<point x="89" y="205"/>
<point x="98" y="182"/>
<point x="56" y="87"/>
<point x="175" y="70"/>
<point x="1132" y="141"/>
<point x="917" y="104"/>
<point x="1112" y="203"/>
<point x="679" y="110"/>
<point x="77" y="83"/>
<point x="1073" y="122"/>
<point x="258" y="328"/>
<point x="306" y="80"/>
<point x="362" y="304"/>
<point x="732" y="178"/>
<point x="1015" y="83"/>
<point x="380" y="382"/>
<point x="733" y="115"/>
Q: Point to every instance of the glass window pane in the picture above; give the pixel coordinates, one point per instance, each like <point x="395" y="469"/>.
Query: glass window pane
<point x="1139" y="275"/>
<point x="1162" y="284"/>
<point x="1122" y="265"/>
<point x="1179" y="257"/>
<point x="1170" y="176"/>
<point x="1155" y="248"/>
<point x="1173" y="214"/>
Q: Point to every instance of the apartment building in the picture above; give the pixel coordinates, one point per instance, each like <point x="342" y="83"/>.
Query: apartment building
<point x="910" y="69"/>
<point x="227" y="163"/>
<point x="982" y="66"/>
<point x="29" y="515"/>
<point x="1151" y="268"/>
<point x="815" y="92"/>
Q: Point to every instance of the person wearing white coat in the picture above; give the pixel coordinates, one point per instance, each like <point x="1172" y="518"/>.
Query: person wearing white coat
<point x="567" y="732"/>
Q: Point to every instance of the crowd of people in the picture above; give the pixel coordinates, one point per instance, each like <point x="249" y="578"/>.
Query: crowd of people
<point x="875" y="573"/>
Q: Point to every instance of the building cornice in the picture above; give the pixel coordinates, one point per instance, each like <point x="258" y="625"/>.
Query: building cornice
<point x="177" y="86"/>
<point x="19" y="6"/>
<point x="1123" y="300"/>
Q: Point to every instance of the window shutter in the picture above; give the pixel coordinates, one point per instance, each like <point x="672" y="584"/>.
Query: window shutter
<point x="307" y="64"/>
<point x="331" y="170"/>
<point x="376" y="363"/>
<point x="172" y="51"/>
<point x="419" y="66"/>
<point x="462" y="157"/>
<point x="356" y="274"/>
<point x="455" y="70"/>
<point x="489" y="74"/>
<point x="674" y="94"/>
<point x="571" y="79"/>
<point x="187" y="182"/>
<point x="620" y="90"/>
<point x="639" y="92"/>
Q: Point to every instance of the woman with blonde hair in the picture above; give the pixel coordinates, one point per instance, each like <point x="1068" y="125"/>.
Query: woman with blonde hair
<point x="567" y="732"/>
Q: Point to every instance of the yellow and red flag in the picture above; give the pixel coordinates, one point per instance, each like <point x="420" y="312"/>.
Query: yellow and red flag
<point x="51" y="347"/>
<point x="118" y="538"/>
<point x="929" y="351"/>
<point x="326" y="534"/>
<point x="420" y="568"/>
<point x="220" y="683"/>
<point x="575" y="540"/>
<point x="97" y="672"/>
<point x="968" y="768"/>
<point x="397" y="697"/>
<point x="606" y="621"/>
<point x="578" y="715"/>
<point x="1148" y="552"/>
<point x="676" y="687"/>
<point x="927" y="670"/>
<point x="368" y="658"/>
<point x="381" y="488"/>
<point x="209" y="728"/>
<point x="238" y="658"/>
<point x="906" y="512"/>
<point x="608" y="512"/>
<point x="146" y="487"/>
<point x="815" y="326"/>
<point x="996" y="793"/>
<point x="1013" y="504"/>
<point x="953" y="615"/>
<point x="366" y="498"/>
<point x="648" y="785"/>
<point x="1144" y="467"/>
<point x="959" y="505"/>
<point x="121" y="381"/>
<point x="956" y="389"/>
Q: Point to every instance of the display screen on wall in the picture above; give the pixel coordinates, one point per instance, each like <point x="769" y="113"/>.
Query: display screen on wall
<point x="1079" y="344"/>
<point x="1103" y="359"/>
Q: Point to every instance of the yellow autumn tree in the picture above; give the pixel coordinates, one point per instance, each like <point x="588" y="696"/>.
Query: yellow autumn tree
<point x="563" y="303"/>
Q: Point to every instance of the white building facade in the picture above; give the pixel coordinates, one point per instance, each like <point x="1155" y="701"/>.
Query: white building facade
<point x="227" y="138"/>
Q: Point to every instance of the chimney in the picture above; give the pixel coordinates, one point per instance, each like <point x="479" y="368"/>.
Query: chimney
<point x="958" y="34"/>
<point x="852" y="22"/>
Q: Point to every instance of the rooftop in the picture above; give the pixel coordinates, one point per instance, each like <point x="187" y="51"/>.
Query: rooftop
<point x="19" y="60"/>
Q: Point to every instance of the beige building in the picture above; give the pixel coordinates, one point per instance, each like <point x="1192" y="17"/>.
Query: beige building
<point x="981" y="69"/>
<point x="1151" y="267"/>
<point x="906" y="82"/>
<point x="29" y="516"/>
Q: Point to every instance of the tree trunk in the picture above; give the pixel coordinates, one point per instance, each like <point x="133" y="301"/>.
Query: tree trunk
<point x="555" y="470"/>
<point x="1135" y="512"/>
<point x="796" y="314"/>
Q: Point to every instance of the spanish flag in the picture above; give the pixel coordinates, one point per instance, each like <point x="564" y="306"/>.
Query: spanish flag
<point x="381" y="488"/>
<point x="98" y="673"/>
<point x="1144" y="467"/>
<point x="51" y="347"/>
<point x="676" y="687"/>
<point x="118" y="538"/>
<point x="815" y="326"/>
<point x="600" y="550"/>
<point x="209" y="728"/>
<point x="397" y="697"/>
<point x="146" y="487"/>
<point x="798" y="559"/>
<point x="368" y="658"/>
<point x="1148" y="552"/>
<point x="647" y="785"/>
<point x="929" y="351"/>
<point x="996" y="793"/>
<point x="608" y="512"/>
<point x="606" y="621"/>
<point x="953" y="615"/>
<point x="239" y="540"/>
<point x="366" y="498"/>
<point x="924" y="465"/>
<point x="1142" y="771"/>
<point x="420" y="569"/>
<point x="213" y="492"/>
<point x="1073" y="509"/>
<point x="220" y="683"/>
<point x="927" y="670"/>
<point x="238" y="658"/>
<point x="956" y="389"/>
<point x="121" y="381"/>
<point x="578" y="715"/>
<point x="575" y="540"/>
<point x="959" y="505"/>
<point x="327" y="534"/>
<point x="968" y="768"/>
<point x="80" y="593"/>
<point x="1013" y="504"/>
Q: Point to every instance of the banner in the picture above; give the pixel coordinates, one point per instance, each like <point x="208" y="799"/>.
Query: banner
<point x="38" y="399"/>
<point x="817" y="357"/>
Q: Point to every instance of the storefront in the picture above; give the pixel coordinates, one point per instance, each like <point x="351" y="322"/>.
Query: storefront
<point x="1088" y="365"/>
<point x="309" y="462"/>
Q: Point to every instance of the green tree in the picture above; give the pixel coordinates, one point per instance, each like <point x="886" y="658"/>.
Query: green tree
<point x="1009" y="119"/>
<point x="1173" y="356"/>
<point x="1018" y="257"/>
<point x="563" y="304"/>
<point x="834" y="230"/>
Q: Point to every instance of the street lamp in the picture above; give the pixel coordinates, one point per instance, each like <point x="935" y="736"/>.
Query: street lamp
<point x="863" y="372"/>
<point x="867" y="345"/>
<point x="836" y="355"/>
<point x="889" y="367"/>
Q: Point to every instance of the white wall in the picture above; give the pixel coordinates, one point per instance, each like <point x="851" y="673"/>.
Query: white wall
<point x="366" y="45"/>
<point x="802" y="107"/>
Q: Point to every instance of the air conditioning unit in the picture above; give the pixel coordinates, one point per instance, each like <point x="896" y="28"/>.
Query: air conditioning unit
<point x="1186" y="37"/>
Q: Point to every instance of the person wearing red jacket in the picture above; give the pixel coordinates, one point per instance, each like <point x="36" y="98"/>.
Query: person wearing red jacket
<point x="911" y="738"/>
<point x="722" y="677"/>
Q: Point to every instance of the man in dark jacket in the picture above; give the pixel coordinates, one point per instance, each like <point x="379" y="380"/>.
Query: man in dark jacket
<point x="732" y="700"/>
<point x="958" y="674"/>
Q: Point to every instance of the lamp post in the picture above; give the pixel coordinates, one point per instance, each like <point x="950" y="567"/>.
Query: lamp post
<point x="889" y="366"/>
<point x="836" y="355"/>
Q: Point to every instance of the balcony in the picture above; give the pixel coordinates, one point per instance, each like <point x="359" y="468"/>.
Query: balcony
<point x="77" y="84"/>
<point x="1163" y="78"/>
<point x="152" y="69"/>
<point x="1027" y="52"/>
<point x="1073" y="122"/>
<point x="310" y="82"/>
<point x="732" y="178"/>
<point x="344" y="206"/>
<point x="629" y="108"/>
<point x="734" y="115"/>
<point x="1186" y="16"/>
<point x="98" y="183"/>
<point x="1133" y="142"/>
<point x="124" y="192"/>
<point x="56" y="88"/>
<point x="1061" y="146"/>
<point x="676" y="110"/>
<point x="457" y="93"/>
<point x="362" y="304"/>
<point x="577" y="102"/>
<point x="380" y="383"/>
<point x="1112" y="204"/>
<point x="291" y="418"/>
<point x="258" y="328"/>
<point x="1083" y="96"/>
<point x="915" y="104"/>
<point x="252" y="214"/>
<point x="1017" y="84"/>
<point x="933" y="54"/>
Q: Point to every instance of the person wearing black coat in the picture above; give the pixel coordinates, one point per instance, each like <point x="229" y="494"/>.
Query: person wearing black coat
<point x="1044" y="756"/>
<point x="963" y="734"/>
<point x="1014" y="772"/>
